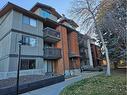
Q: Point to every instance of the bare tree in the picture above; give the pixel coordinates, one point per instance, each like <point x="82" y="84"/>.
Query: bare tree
<point x="112" y="22"/>
<point x="85" y="12"/>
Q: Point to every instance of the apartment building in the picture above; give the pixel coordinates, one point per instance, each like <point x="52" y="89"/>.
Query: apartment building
<point x="90" y="53"/>
<point x="83" y="49"/>
<point x="96" y="55"/>
<point x="49" y="41"/>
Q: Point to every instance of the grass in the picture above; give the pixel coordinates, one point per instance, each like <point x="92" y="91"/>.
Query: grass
<point x="99" y="85"/>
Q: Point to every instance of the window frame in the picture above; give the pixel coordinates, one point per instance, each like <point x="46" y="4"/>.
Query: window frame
<point x="35" y="43"/>
<point x="28" y="65"/>
<point x="43" y="13"/>
<point x="29" y="22"/>
<point x="28" y="42"/>
<point x="24" y="20"/>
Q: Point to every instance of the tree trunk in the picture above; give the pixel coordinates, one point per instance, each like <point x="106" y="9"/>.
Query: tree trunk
<point x="102" y="39"/>
<point x="108" y="73"/>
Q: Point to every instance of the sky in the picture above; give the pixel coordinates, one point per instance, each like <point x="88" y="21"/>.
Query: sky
<point x="61" y="6"/>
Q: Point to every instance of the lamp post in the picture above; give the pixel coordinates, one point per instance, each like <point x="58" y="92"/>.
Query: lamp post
<point x="18" y="69"/>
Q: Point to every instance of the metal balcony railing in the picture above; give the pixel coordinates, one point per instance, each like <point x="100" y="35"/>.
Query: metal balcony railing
<point x="51" y="35"/>
<point x="73" y="55"/>
<point x="52" y="53"/>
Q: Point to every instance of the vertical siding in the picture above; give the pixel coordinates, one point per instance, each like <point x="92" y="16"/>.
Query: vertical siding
<point x="73" y="42"/>
<point x="63" y="44"/>
<point x="74" y="47"/>
<point x="5" y="40"/>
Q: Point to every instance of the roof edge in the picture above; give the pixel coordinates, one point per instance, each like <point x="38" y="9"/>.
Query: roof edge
<point x="40" y="5"/>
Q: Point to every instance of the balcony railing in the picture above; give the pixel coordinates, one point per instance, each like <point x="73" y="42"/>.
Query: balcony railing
<point x="73" y="55"/>
<point x="52" y="53"/>
<point x="51" y="35"/>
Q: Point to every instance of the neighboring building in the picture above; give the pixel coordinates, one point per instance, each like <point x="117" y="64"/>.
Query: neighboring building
<point x="96" y="55"/>
<point x="83" y="49"/>
<point x="50" y="44"/>
<point x="90" y="53"/>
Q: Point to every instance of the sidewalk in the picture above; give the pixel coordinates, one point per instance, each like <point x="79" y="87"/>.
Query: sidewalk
<point x="56" y="88"/>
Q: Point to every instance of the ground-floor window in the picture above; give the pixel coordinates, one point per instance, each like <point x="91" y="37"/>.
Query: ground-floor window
<point x="49" y="65"/>
<point x="28" y="64"/>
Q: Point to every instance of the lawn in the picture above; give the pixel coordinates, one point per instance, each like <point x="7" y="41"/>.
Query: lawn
<point x="100" y="85"/>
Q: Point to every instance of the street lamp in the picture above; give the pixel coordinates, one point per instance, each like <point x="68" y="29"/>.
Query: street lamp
<point x="19" y="63"/>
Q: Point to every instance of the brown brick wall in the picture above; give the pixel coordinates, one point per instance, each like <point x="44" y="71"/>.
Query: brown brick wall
<point x="96" y="55"/>
<point x="69" y="40"/>
<point x="73" y="42"/>
<point x="74" y="47"/>
<point x="63" y="44"/>
<point x="59" y="67"/>
<point x="75" y="64"/>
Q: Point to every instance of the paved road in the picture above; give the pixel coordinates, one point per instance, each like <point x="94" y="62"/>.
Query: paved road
<point x="56" y="88"/>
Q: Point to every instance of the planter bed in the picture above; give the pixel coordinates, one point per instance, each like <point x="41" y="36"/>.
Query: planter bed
<point x="28" y="83"/>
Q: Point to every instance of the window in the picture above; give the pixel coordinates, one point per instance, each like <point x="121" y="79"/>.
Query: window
<point x="27" y="40"/>
<point x="32" y="42"/>
<point x="27" y="64"/>
<point x="49" y="66"/>
<point x="29" y="21"/>
<point x="33" y="22"/>
<point x="45" y="14"/>
<point x="26" y="20"/>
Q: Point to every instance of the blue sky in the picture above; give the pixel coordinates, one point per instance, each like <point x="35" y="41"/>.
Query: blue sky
<point x="61" y="6"/>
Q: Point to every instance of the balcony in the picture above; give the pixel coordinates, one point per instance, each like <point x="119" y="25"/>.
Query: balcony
<point x="73" y="55"/>
<point x="51" y="35"/>
<point x="52" y="53"/>
<point x="83" y="44"/>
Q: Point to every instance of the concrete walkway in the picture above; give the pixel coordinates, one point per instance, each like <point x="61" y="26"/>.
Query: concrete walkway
<point x="57" y="88"/>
